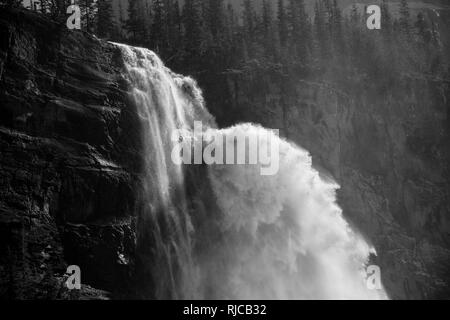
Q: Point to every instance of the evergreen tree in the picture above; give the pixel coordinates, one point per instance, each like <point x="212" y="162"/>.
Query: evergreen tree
<point x="11" y="3"/>
<point x="321" y="28"/>
<point x="138" y="23"/>
<point x="282" y="24"/>
<point x="174" y="26"/>
<point x="88" y="10"/>
<point x="121" y="22"/>
<point x="44" y="6"/>
<point x="61" y="6"/>
<point x="158" y="30"/>
<point x="404" y="20"/>
<point x="268" y="31"/>
<point x="386" y="20"/>
<point x="355" y="37"/>
<point x="132" y="22"/>
<point x="435" y="36"/>
<point x="248" y="16"/>
<point x="106" y="27"/>
<point x="216" y="17"/>
<point x="423" y="30"/>
<point x="266" y="18"/>
<point x="53" y="8"/>
<point x="336" y="23"/>
<point x="231" y="23"/>
<point x="233" y="51"/>
<point x="299" y="29"/>
<point x="193" y="25"/>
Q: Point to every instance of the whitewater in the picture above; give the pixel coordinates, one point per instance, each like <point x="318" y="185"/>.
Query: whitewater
<point x="279" y="236"/>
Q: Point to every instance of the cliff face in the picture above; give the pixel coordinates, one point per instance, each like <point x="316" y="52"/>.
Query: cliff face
<point x="387" y="147"/>
<point x="69" y="158"/>
<point x="69" y="142"/>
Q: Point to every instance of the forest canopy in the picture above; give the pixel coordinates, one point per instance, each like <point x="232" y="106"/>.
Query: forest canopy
<point x="196" y="36"/>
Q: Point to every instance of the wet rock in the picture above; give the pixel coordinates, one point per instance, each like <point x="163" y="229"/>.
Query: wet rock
<point x="69" y="160"/>
<point x="388" y="148"/>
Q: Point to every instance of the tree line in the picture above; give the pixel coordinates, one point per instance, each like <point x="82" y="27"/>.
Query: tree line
<point x="212" y="36"/>
<point x="96" y="15"/>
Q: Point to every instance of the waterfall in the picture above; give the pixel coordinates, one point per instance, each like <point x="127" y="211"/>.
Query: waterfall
<point x="279" y="236"/>
<point x="164" y="102"/>
<point x="286" y="236"/>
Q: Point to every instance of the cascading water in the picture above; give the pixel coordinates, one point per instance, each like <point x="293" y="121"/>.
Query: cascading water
<point x="163" y="106"/>
<point x="279" y="236"/>
<point x="286" y="235"/>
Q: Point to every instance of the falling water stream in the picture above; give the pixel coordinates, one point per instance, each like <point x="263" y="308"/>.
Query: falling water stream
<point x="282" y="236"/>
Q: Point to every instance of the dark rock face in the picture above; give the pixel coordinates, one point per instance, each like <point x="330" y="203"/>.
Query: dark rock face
<point x="388" y="148"/>
<point x="69" y="160"/>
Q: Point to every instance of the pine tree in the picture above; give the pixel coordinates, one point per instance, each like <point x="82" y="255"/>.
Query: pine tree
<point x="328" y="16"/>
<point x="88" y="10"/>
<point x="194" y="32"/>
<point x="248" y="16"/>
<point x="386" y="19"/>
<point x="158" y="32"/>
<point x="105" y="22"/>
<point x="294" y="23"/>
<point x="354" y="14"/>
<point x="336" y="30"/>
<point x="138" y="23"/>
<point x="321" y="25"/>
<point x="233" y="50"/>
<point x="435" y="36"/>
<point x="121" y="22"/>
<point x="389" y="53"/>
<point x="282" y="24"/>
<point x="268" y="31"/>
<point x="299" y="26"/>
<point x="404" y="20"/>
<point x="216" y="17"/>
<point x="174" y="27"/>
<point x="423" y="30"/>
<point x="44" y="6"/>
<point x="266" y="18"/>
<point x="132" y="22"/>
<point x="53" y="8"/>
<point x="231" y="23"/>
<point x="61" y="6"/>
<point x="12" y="3"/>
<point x="355" y="33"/>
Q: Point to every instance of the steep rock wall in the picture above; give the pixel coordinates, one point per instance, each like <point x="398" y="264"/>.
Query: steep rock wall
<point x="387" y="147"/>
<point x="69" y="160"/>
